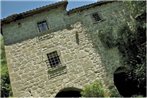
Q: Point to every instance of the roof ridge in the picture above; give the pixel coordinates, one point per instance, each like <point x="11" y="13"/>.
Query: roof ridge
<point x="21" y="15"/>
<point x="27" y="13"/>
<point x="87" y="6"/>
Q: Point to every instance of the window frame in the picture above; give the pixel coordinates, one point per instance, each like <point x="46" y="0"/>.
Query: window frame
<point x="54" y="71"/>
<point x="41" y="23"/>
<point x="53" y="59"/>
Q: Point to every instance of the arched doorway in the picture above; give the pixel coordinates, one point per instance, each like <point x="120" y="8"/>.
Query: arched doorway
<point x="69" y="92"/>
<point x="124" y="85"/>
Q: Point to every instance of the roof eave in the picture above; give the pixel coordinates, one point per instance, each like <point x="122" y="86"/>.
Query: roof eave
<point x="82" y="8"/>
<point x="22" y="15"/>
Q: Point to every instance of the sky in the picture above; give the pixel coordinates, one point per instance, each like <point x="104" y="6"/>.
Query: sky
<point x="9" y="7"/>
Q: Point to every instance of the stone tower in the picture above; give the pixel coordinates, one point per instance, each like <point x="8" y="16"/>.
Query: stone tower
<point x="48" y="49"/>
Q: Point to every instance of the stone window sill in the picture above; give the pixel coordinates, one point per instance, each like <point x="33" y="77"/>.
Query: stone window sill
<point x="45" y="32"/>
<point x="96" y="22"/>
<point x="45" y="37"/>
<point x="59" y="70"/>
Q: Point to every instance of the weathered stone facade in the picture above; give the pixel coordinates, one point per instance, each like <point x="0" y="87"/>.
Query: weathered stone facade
<point x="27" y="49"/>
<point x="30" y="72"/>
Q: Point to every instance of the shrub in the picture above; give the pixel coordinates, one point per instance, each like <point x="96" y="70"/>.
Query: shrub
<point x="95" y="89"/>
<point x="113" y="92"/>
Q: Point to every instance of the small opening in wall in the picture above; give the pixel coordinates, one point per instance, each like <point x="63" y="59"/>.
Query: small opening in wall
<point x="30" y="92"/>
<point x="19" y="24"/>
<point x="77" y="38"/>
<point x="96" y="17"/>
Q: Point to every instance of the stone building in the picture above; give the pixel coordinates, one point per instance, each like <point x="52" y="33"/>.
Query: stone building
<point x="48" y="50"/>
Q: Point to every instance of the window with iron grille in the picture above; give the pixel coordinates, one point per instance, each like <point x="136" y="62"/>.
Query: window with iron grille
<point x="96" y="17"/>
<point x="53" y="59"/>
<point x="42" y="26"/>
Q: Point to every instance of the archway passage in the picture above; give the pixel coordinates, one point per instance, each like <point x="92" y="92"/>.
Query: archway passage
<point x="69" y="92"/>
<point x="125" y="86"/>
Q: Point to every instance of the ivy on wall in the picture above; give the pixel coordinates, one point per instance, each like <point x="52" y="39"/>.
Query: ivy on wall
<point x="129" y="38"/>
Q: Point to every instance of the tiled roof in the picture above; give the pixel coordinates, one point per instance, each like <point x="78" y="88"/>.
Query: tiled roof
<point x="32" y="12"/>
<point x="79" y="9"/>
<point x="22" y="15"/>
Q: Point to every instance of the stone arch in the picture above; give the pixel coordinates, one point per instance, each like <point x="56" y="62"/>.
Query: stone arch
<point x="123" y="84"/>
<point x="119" y="80"/>
<point x="69" y="92"/>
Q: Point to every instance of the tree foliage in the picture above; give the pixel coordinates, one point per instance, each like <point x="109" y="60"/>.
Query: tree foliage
<point x="132" y="47"/>
<point x="5" y="82"/>
<point x="97" y="89"/>
<point x="131" y="41"/>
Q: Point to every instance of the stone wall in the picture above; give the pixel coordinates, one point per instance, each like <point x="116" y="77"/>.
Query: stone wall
<point x="27" y="28"/>
<point x="114" y="16"/>
<point x="29" y="71"/>
<point x="75" y="37"/>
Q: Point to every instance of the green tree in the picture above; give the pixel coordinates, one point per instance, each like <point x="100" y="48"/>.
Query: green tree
<point x="95" y="89"/>
<point x="131" y="44"/>
<point x="5" y="82"/>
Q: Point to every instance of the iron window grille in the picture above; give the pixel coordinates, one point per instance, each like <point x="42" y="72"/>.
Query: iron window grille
<point x="53" y="59"/>
<point x="42" y="26"/>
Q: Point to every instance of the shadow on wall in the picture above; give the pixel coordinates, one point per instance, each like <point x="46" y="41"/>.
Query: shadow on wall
<point x="69" y="92"/>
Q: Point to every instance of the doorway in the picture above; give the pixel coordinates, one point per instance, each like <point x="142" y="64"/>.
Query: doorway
<point x="69" y="92"/>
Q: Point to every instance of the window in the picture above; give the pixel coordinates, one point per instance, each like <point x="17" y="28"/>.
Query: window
<point x="53" y="59"/>
<point x="96" y="17"/>
<point x="19" y="24"/>
<point x="42" y="26"/>
<point x="77" y="38"/>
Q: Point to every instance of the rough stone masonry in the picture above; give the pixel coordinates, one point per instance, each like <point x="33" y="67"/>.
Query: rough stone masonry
<point x="42" y="63"/>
